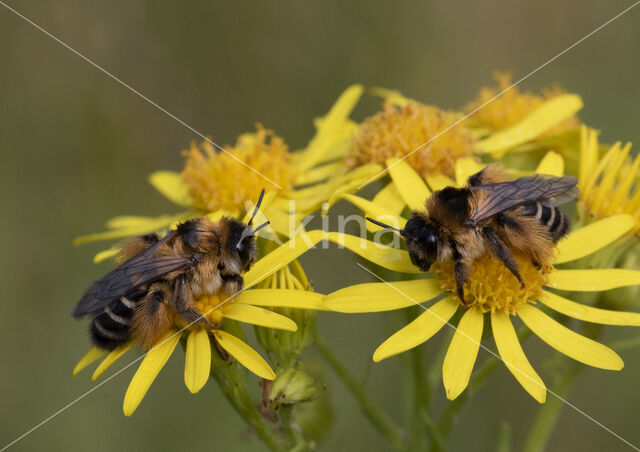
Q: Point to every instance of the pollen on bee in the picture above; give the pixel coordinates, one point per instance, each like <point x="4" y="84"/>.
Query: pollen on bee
<point x="492" y="287"/>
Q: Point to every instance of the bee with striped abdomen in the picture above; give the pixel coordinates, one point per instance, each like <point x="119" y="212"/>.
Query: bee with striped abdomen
<point x="159" y="280"/>
<point x="490" y="214"/>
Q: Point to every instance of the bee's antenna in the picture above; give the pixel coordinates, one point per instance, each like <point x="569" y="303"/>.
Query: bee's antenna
<point x="255" y="211"/>
<point x="265" y="224"/>
<point x="386" y="226"/>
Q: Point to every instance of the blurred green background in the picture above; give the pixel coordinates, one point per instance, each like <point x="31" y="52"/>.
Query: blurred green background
<point x="77" y="148"/>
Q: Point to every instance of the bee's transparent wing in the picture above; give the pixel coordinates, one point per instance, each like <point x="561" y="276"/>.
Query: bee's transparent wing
<point x="143" y="268"/>
<point x="507" y="195"/>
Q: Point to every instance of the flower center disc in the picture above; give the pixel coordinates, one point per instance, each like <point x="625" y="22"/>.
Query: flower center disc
<point x="398" y="131"/>
<point x="492" y="287"/>
<point x="225" y="180"/>
<point x="211" y="307"/>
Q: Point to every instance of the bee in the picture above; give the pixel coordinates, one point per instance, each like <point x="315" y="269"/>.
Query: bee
<point x="159" y="280"/>
<point x="490" y="214"/>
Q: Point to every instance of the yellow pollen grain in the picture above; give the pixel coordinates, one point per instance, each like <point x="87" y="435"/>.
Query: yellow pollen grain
<point x="399" y="131"/>
<point x="210" y="306"/>
<point x="216" y="180"/>
<point x="492" y="287"/>
<point x="513" y="105"/>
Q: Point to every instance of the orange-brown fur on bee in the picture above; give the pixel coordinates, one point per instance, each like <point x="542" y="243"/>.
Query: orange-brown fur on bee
<point x="163" y="278"/>
<point x="490" y="215"/>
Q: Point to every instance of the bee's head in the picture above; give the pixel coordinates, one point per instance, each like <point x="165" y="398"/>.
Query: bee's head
<point x="422" y="237"/>
<point x="242" y="243"/>
<point x="423" y="241"/>
<point x="242" y="239"/>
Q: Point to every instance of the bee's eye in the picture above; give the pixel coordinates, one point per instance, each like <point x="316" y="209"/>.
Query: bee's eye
<point x="245" y="251"/>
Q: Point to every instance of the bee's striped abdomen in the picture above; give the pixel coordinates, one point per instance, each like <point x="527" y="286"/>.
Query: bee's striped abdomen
<point x="550" y="216"/>
<point x="111" y="327"/>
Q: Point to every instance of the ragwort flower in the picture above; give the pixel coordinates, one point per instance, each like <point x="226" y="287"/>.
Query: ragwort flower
<point x="491" y="290"/>
<point x="217" y="183"/>
<point x="610" y="184"/>
<point x="247" y="307"/>
<point x="511" y="107"/>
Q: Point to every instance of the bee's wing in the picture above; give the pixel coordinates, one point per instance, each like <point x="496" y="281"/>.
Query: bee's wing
<point x="143" y="268"/>
<point x="507" y="195"/>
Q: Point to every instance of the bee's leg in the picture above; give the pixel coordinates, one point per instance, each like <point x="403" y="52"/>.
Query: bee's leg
<point x="461" y="271"/>
<point x="221" y="351"/>
<point x="183" y="303"/>
<point x="500" y="250"/>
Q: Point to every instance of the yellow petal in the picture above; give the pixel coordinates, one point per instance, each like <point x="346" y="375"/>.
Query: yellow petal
<point x="393" y="259"/>
<point x="197" y="362"/>
<point x="376" y="212"/>
<point x="245" y="355"/>
<point x="589" y="313"/>
<point x="389" y="198"/>
<point x="330" y="127"/>
<point x="258" y="316"/>
<point x="111" y="358"/>
<point x="172" y="186"/>
<point x="410" y="185"/>
<point x="105" y="254"/>
<point x="570" y="343"/>
<point x="375" y="297"/>
<point x="92" y="355"/>
<point x="537" y="122"/>
<point x="318" y="174"/>
<point x="393" y="96"/>
<point x="283" y="298"/>
<point x="439" y="181"/>
<point x="281" y="256"/>
<point x="589" y="239"/>
<point x="149" y="369"/>
<point x="593" y="280"/>
<point x="462" y="353"/>
<point x="418" y="331"/>
<point x="126" y="226"/>
<point x="466" y="168"/>
<point x="514" y="358"/>
<point x="552" y="164"/>
<point x="353" y="184"/>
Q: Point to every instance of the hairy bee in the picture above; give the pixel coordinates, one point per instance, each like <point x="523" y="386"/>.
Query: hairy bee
<point x="490" y="214"/>
<point x="160" y="279"/>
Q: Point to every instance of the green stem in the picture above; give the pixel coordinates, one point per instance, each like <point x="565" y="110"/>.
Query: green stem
<point x="504" y="438"/>
<point x="549" y="412"/>
<point x="378" y="418"/>
<point x="232" y="382"/>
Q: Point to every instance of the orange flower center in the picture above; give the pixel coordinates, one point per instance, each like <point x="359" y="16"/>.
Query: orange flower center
<point x="218" y="180"/>
<point x="492" y="287"/>
<point x="399" y="131"/>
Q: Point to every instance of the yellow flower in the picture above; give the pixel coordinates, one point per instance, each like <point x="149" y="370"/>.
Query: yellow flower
<point x="522" y="132"/>
<point x="491" y="290"/>
<point x="413" y="131"/>
<point x="220" y="183"/>
<point x="247" y="307"/>
<point x="610" y="183"/>
<point x="513" y="106"/>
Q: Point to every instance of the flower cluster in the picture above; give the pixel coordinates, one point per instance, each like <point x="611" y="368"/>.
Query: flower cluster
<point x="407" y="151"/>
